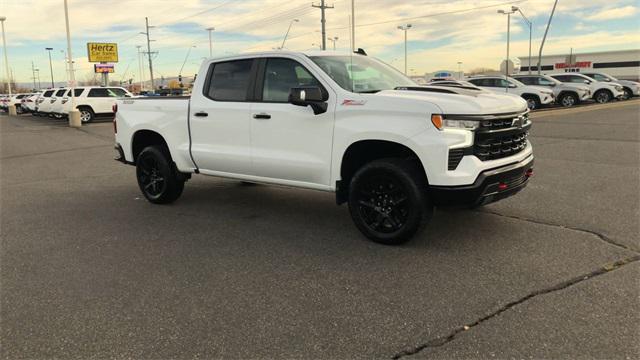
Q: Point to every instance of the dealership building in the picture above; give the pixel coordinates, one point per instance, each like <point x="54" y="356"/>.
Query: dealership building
<point x="622" y="64"/>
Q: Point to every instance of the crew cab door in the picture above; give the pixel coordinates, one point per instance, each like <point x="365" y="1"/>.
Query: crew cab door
<point x="220" y="120"/>
<point x="289" y="142"/>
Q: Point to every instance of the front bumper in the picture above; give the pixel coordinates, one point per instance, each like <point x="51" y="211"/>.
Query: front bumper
<point x="490" y="186"/>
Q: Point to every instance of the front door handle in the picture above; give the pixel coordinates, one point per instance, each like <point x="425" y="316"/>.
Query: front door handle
<point x="201" y="114"/>
<point x="262" y="116"/>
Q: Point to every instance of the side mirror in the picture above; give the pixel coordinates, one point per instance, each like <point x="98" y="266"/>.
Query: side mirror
<point x="512" y="86"/>
<point x="553" y="84"/>
<point x="587" y="82"/>
<point x="308" y="96"/>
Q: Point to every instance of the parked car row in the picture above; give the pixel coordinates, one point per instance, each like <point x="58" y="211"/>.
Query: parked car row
<point x="91" y="101"/>
<point x="565" y="89"/>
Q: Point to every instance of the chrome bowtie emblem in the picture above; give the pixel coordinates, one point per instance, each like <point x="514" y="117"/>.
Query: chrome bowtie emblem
<point x="519" y="121"/>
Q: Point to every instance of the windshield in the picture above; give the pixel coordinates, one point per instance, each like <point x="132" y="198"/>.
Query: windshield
<point x="361" y="74"/>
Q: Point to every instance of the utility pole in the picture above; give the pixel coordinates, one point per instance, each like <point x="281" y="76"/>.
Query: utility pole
<point x="50" y="66"/>
<point x="323" y="21"/>
<point x="149" y="53"/>
<point x="545" y="34"/>
<point x="210" y="29"/>
<point x="140" y="67"/>
<point x="333" y="40"/>
<point x="405" y="28"/>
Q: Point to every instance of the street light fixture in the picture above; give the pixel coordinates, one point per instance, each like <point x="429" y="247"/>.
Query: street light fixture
<point x="405" y="28"/>
<point x="210" y="29"/>
<point x="530" y="23"/>
<point x="506" y="63"/>
<point x="74" y="114"/>
<point x="287" y="33"/>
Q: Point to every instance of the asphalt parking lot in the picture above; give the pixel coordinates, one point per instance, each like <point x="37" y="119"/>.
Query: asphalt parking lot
<point x="91" y="270"/>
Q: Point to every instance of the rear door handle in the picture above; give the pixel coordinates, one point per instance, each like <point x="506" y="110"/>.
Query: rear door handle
<point x="262" y="116"/>
<point x="201" y="114"/>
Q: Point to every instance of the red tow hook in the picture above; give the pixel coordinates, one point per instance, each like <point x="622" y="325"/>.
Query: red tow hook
<point x="529" y="173"/>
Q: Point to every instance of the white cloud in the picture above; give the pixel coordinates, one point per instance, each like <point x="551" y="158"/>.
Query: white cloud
<point x="614" y="13"/>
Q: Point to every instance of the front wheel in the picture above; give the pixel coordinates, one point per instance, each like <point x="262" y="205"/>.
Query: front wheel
<point x="158" y="180"/>
<point x="603" y="96"/>
<point x="533" y="102"/>
<point x="568" y="100"/>
<point x="388" y="200"/>
<point x="628" y="94"/>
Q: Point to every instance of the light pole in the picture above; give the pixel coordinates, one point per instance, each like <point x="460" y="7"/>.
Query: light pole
<point x="12" y="109"/>
<point x="333" y="40"/>
<point x="287" y="33"/>
<point x="140" y="68"/>
<point x="185" y="61"/>
<point x="405" y="28"/>
<point x="210" y="29"/>
<point x="50" y="66"/>
<point x="530" y="23"/>
<point x="460" y="70"/>
<point x="545" y="35"/>
<point x="506" y="63"/>
<point x="74" y="114"/>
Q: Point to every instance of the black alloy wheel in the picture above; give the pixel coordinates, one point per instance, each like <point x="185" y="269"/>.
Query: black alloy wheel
<point x="382" y="204"/>
<point x="388" y="200"/>
<point x="159" y="182"/>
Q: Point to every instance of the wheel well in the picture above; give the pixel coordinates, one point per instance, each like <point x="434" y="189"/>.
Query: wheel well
<point x="567" y="92"/>
<point x="79" y="107"/>
<point x="628" y="89"/>
<point x="607" y="90"/>
<point x="527" y="95"/>
<point x="365" y="151"/>
<point x="144" y="138"/>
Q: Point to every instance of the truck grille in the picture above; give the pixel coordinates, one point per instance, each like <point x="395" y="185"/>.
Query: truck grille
<point x="497" y="136"/>
<point x="501" y="137"/>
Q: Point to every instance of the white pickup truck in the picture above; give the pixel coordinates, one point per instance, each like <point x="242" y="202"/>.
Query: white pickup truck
<point x="343" y="123"/>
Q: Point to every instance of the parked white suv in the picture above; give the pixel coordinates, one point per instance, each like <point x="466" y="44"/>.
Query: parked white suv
<point x="336" y="122"/>
<point x="566" y="94"/>
<point x="29" y="102"/>
<point x="534" y="95"/>
<point x="630" y="88"/>
<point x="601" y="92"/>
<point x="94" y="101"/>
<point x="43" y="104"/>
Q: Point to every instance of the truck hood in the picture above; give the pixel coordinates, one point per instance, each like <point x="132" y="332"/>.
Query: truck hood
<point x="462" y="102"/>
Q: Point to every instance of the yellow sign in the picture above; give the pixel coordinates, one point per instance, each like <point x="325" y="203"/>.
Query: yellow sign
<point x="102" y="52"/>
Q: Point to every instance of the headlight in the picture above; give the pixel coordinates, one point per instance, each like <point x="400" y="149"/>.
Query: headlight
<point x="441" y="123"/>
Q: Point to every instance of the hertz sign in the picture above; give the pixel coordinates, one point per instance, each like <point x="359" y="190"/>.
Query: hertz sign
<point x="102" y="52"/>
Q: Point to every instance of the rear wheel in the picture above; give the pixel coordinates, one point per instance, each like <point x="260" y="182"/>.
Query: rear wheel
<point x="388" y="200"/>
<point x="603" y="96"/>
<point x="158" y="179"/>
<point x="628" y="94"/>
<point x="86" y="114"/>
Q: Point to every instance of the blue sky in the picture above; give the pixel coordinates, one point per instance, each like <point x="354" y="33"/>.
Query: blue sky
<point x="443" y="33"/>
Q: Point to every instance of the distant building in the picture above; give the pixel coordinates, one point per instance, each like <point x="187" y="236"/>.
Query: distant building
<point x="622" y="64"/>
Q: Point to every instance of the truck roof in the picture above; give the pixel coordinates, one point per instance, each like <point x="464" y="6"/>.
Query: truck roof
<point x="286" y="52"/>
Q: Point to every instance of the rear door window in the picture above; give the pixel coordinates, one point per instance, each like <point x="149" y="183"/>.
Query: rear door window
<point x="61" y="92"/>
<point x="48" y="93"/>
<point x="98" y="92"/>
<point x="230" y="81"/>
